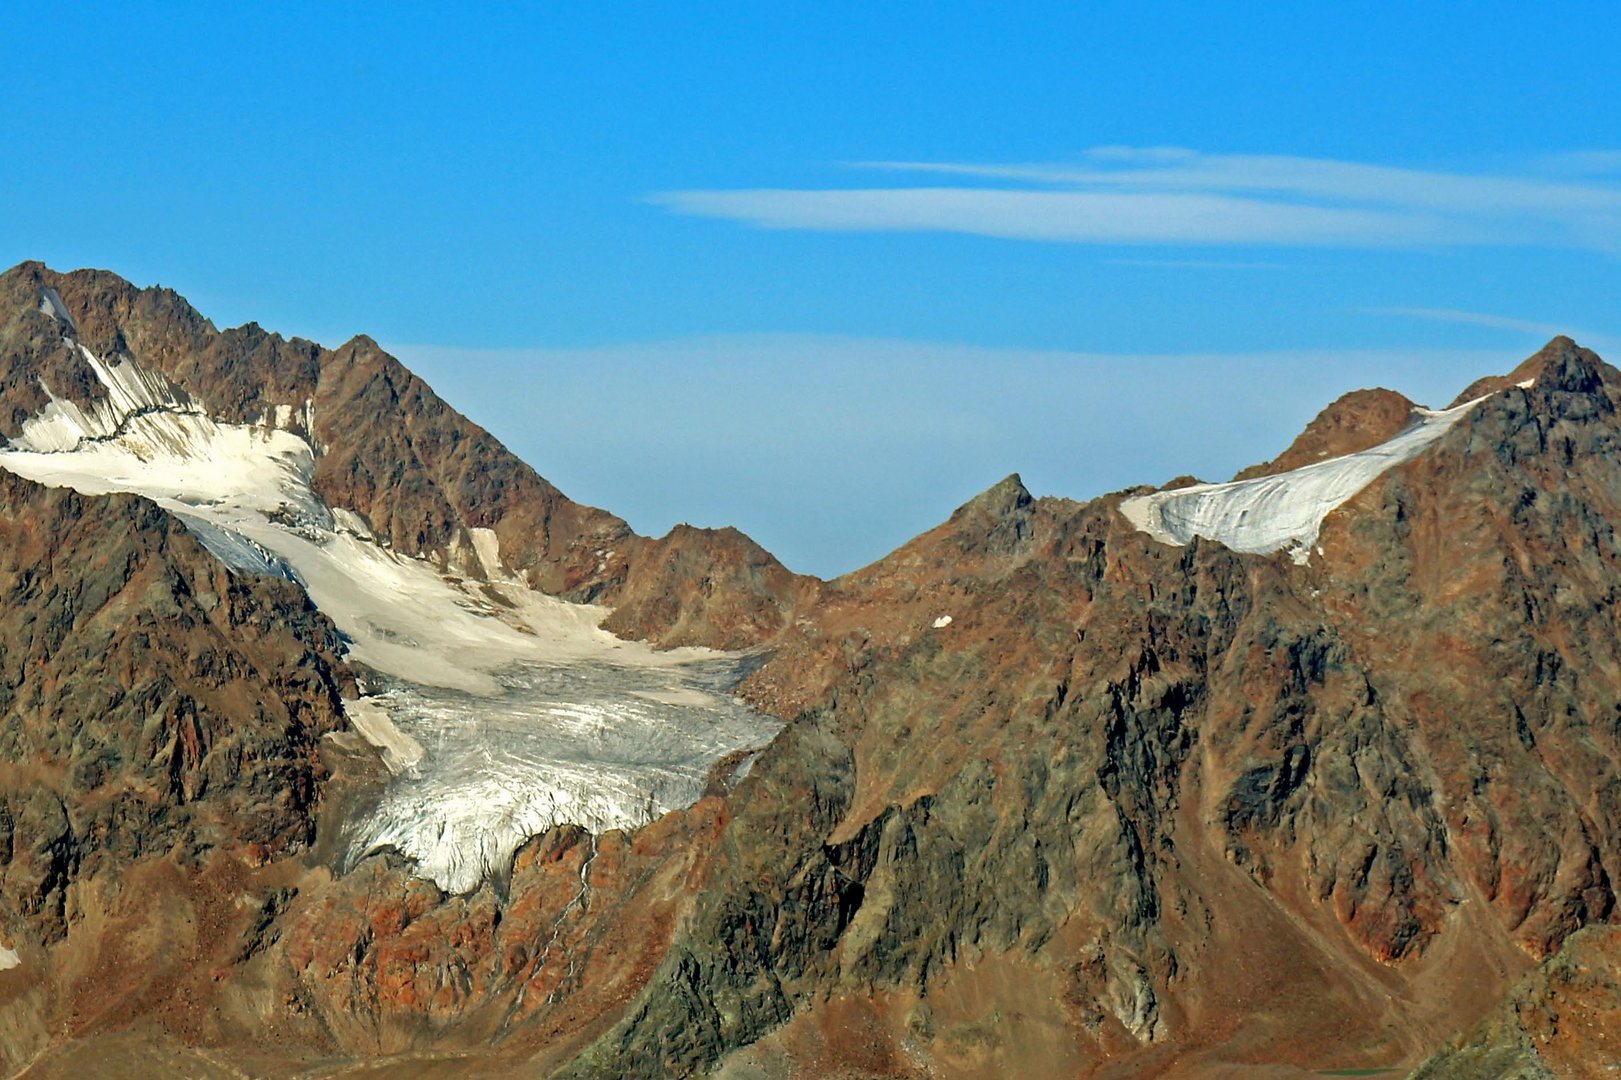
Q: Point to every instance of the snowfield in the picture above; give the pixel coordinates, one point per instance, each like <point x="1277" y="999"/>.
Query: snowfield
<point x="504" y="711"/>
<point x="1284" y="511"/>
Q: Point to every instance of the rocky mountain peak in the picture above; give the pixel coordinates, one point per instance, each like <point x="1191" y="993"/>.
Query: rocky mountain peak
<point x="997" y="521"/>
<point x="384" y="445"/>
<point x="1054" y="796"/>
<point x="1006" y="497"/>
<point x="364" y="341"/>
<point x="1354" y="422"/>
<point x="1561" y="364"/>
<point x="1564" y="365"/>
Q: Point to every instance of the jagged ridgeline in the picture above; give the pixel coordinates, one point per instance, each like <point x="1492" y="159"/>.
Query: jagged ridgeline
<point x="312" y="754"/>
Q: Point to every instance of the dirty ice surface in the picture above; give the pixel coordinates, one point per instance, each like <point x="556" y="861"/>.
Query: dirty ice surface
<point x="500" y="711"/>
<point x="588" y="742"/>
<point x="1286" y="510"/>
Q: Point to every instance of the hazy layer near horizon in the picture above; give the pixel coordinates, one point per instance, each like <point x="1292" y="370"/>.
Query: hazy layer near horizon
<point x="833" y="451"/>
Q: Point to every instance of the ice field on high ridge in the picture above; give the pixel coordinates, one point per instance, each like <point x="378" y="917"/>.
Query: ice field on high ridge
<point x="1284" y="511"/>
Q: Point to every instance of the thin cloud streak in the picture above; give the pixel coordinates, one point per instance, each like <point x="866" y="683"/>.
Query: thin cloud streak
<point x="1076" y="217"/>
<point x="1504" y="322"/>
<point x="1200" y="264"/>
<point x="1586" y="162"/>
<point x="1310" y="178"/>
<point x="1168" y="195"/>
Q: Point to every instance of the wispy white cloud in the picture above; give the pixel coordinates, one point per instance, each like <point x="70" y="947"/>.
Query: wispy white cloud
<point x="1167" y="195"/>
<point x="1075" y="216"/>
<point x="1585" y="162"/>
<point x="1596" y="340"/>
<point x="1200" y="264"/>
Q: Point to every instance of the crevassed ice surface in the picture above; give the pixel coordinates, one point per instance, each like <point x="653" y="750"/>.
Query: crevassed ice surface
<point x="597" y="744"/>
<point x="500" y="711"/>
<point x="1286" y="510"/>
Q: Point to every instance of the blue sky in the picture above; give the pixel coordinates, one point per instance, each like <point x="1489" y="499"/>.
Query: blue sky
<point x="825" y="274"/>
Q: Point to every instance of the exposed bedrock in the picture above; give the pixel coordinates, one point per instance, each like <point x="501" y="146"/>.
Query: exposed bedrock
<point x="1406" y="759"/>
<point x="157" y="715"/>
<point x="1561" y="1022"/>
<point x="422" y="475"/>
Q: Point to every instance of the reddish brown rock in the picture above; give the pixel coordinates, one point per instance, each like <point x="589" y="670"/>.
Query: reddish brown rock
<point x="1269" y="817"/>
<point x="1355" y="422"/>
<point x="1562" y="1020"/>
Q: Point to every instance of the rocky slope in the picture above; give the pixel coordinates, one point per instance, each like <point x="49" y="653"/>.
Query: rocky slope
<point x="1053" y="798"/>
<point x="1357" y="421"/>
<point x="1147" y="810"/>
<point x="1562" y="1020"/>
<point x="159" y="718"/>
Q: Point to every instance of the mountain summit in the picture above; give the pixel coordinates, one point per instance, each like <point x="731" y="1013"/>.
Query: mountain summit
<point x="422" y="477"/>
<point x="334" y="737"/>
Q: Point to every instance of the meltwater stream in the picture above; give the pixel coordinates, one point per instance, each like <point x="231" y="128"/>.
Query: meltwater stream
<point x="588" y="743"/>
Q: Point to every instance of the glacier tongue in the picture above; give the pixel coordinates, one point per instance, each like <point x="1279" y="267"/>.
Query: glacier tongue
<point x="587" y="743"/>
<point x="505" y="712"/>
<point x="1284" y="511"/>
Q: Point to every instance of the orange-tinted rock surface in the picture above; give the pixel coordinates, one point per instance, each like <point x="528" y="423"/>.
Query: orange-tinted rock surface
<point x="1562" y="1020"/>
<point x="1360" y="419"/>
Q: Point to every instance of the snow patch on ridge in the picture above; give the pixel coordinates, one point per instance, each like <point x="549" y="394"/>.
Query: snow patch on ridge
<point x="487" y="546"/>
<point x="130" y="392"/>
<point x="1284" y="511"/>
<point x="8" y="958"/>
<point x="50" y="302"/>
<point x="400" y="752"/>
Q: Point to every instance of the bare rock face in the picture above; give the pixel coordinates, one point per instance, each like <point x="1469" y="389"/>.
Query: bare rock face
<point x="159" y="717"/>
<point x="1561" y="1022"/>
<point x="1360" y="419"/>
<point x="713" y="587"/>
<point x="146" y="686"/>
<point x="1224" y="811"/>
<point x="1554" y="355"/>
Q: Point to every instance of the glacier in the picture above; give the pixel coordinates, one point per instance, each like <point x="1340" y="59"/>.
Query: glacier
<point x="1284" y="511"/>
<point x="599" y="745"/>
<point x="499" y="711"/>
